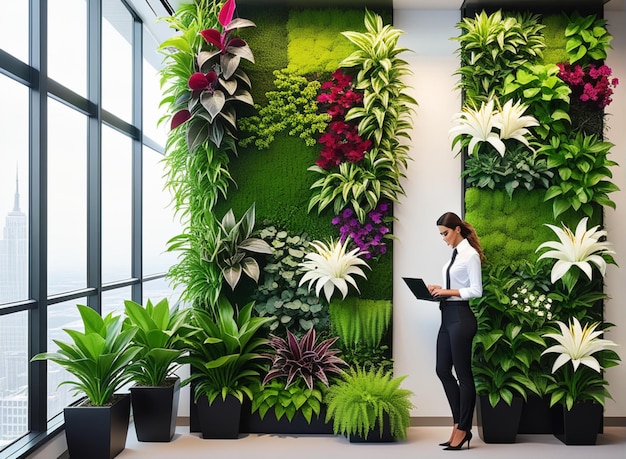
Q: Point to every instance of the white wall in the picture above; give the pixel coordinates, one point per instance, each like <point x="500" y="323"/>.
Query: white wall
<point x="433" y="186"/>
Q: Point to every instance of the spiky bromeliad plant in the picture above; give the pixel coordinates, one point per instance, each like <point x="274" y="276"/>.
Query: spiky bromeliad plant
<point x="364" y="399"/>
<point x="383" y="118"/>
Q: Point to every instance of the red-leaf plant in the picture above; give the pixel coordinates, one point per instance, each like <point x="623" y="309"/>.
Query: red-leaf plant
<point x="303" y="358"/>
<point x="217" y="82"/>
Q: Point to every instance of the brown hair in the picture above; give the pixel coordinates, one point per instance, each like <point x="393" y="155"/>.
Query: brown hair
<point x="452" y="220"/>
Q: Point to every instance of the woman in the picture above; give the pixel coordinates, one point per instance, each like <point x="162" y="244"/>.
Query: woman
<point x="462" y="281"/>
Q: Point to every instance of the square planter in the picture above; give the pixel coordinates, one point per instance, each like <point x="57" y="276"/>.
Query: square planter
<point x="500" y="423"/>
<point x="580" y="425"/>
<point x="536" y="416"/>
<point x="154" y="411"/>
<point x="220" y="419"/>
<point x="97" y="432"/>
<point x="252" y="423"/>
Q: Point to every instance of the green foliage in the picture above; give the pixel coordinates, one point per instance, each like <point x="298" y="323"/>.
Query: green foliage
<point x="159" y="333"/>
<point x="553" y="32"/>
<point x="518" y="169"/>
<point x="582" y="167"/>
<point x="384" y="118"/>
<point x="314" y="37"/>
<point x="233" y="244"/>
<point x="546" y="95"/>
<point x="292" y="107"/>
<point x="362" y="400"/>
<point x="224" y="351"/>
<point x="278" y="296"/>
<point x="492" y="46"/>
<point x="509" y="229"/>
<point x="357" y="320"/>
<point x="98" y="357"/>
<point x="587" y="39"/>
<point x="287" y="401"/>
<point x="367" y="357"/>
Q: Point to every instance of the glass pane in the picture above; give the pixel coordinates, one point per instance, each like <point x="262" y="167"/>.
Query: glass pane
<point x="14" y="192"/>
<point x="14" y="28"/>
<point x="67" y="199"/>
<point x="152" y="93"/>
<point x="13" y="377"/>
<point x="67" y="43"/>
<point x="159" y="224"/>
<point x="61" y="316"/>
<point x="117" y="58"/>
<point x="116" y="205"/>
<point x="156" y="290"/>
<point x="113" y="300"/>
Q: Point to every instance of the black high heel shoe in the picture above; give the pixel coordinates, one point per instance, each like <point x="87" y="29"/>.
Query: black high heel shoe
<point x="445" y="443"/>
<point x="467" y="438"/>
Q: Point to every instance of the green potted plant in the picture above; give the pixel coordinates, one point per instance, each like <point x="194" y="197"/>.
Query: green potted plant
<point x="155" y="395"/>
<point x="225" y="356"/>
<point x="580" y="388"/>
<point x="293" y="388"/>
<point x="99" y="357"/>
<point x="369" y="405"/>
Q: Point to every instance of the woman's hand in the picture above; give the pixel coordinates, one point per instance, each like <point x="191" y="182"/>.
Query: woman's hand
<point x="434" y="290"/>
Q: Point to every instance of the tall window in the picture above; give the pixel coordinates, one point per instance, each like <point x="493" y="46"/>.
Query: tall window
<point x="84" y="215"/>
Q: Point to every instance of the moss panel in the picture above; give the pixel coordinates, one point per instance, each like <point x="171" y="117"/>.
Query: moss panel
<point x="315" y="41"/>
<point x="554" y="33"/>
<point x="512" y="229"/>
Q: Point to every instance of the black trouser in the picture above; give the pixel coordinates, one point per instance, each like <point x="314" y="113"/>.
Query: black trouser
<point x="454" y="349"/>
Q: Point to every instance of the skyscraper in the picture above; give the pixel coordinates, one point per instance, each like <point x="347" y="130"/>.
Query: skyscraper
<point x="13" y="343"/>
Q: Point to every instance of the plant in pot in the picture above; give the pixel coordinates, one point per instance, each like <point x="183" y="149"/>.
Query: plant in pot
<point x="579" y="388"/>
<point x="504" y="350"/>
<point x="99" y="357"/>
<point x="225" y="356"/>
<point x="159" y="336"/>
<point x="301" y="371"/>
<point x="369" y="405"/>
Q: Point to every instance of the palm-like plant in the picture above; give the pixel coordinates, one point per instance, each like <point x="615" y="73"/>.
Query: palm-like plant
<point x="582" y="248"/>
<point x="332" y="267"/>
<point x="98" y="358"/>
<point x="225" y="351"/>
<point x="159" y="336"/>
<point x="586" y="351"/>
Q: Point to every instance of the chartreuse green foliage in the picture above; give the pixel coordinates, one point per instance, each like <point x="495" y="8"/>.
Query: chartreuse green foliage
<point x="291" y="107"/>
<point x="587" y="39"/>
<point x="98" y="357"/>
<point x="357" y="320"/>
<point x="364" y="398"/>
<point x="315" y="41"/>
<point x="512" y="229"/>
<point x="553" y="32"/>
<point x="287" y="401"/>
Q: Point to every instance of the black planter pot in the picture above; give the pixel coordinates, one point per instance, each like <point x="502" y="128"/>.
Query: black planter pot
<point x="97" y="432"/>
<point x="580" y="425"/>
<point x="536" y="416"/>
<point x="155" y="410"/>
<point x="375" y="435"/>
<point x="252" y="423"/>
<point x="498" y="424"/>
<point x="221" y="418"/>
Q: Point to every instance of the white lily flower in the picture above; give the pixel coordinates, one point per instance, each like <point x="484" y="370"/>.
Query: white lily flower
<point x="479" y="125"/>
<point x="577" y="344"/>
<point x="513" y="122"/>
<point x="331" y="267"/>
<point x="580" y="249"/>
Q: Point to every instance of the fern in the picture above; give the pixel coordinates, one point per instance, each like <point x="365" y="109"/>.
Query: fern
<point x="358" y="321"/>
<point x="365" y="399"/>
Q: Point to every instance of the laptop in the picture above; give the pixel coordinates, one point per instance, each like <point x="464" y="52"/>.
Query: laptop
<point x="420" y="290"/>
